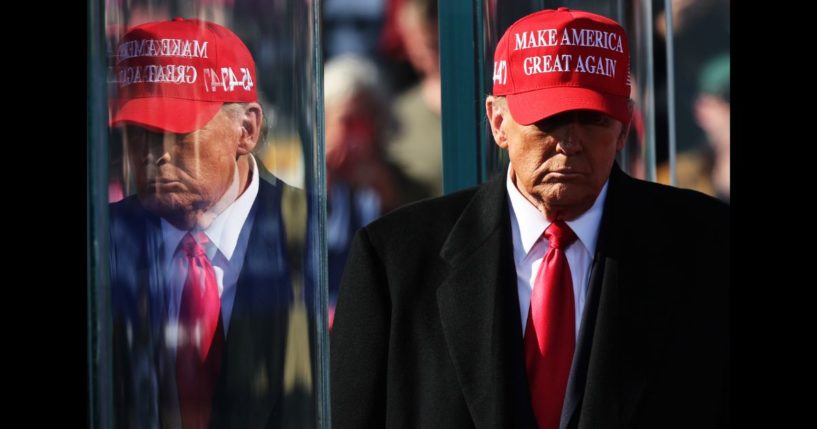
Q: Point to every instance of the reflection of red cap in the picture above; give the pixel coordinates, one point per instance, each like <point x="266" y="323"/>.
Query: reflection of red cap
<point x="175" y="75"/>
<point x="552" y="61"/>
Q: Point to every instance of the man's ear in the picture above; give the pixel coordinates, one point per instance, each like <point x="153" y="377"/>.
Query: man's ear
<point x="622" y="137"/>
<point x="625" y="128"/>
<point x="251" y="122"/>
<point x="495" y="110"/>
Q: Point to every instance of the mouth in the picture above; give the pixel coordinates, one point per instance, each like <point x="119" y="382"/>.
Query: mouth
<point x="164" y="184"/>
<point x="160" y="180"/>
<point x="563" y="174"/>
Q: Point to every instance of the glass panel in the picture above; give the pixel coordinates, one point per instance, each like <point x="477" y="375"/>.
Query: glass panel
<point x="217" y="275"/>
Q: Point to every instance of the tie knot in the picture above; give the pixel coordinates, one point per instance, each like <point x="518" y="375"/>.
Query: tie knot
<point x="192" y="247"/>
<point x="559" y="235"/>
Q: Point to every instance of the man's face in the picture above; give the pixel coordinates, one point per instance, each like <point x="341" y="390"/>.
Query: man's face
<point x="561" y="162"/>
<point x="179" y="176"/>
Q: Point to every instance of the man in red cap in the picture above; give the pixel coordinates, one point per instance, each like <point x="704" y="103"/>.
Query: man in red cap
<point x="200" y="277"/>
<point x="563" y="293"/>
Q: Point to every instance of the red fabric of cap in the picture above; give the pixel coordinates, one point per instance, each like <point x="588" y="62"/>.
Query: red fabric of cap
<point x="553" y="61"/>
<point x="175" y="75"/>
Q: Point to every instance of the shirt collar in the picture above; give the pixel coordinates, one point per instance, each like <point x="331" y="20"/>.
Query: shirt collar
<point x="224" y="230"/>
<point x="532" y="223"/>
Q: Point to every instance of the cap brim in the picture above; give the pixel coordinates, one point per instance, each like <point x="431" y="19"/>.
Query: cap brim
<point x="166" y="114"/>
<point x="529" y="107"/>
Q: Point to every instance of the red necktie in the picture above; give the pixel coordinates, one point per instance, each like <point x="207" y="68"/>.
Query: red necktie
<point x="201" y="336"/>
<point x="550" y="330"/>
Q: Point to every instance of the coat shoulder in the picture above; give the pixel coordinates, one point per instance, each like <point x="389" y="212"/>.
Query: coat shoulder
<point x="429" y="215"/>
<point x="679" y="207"/>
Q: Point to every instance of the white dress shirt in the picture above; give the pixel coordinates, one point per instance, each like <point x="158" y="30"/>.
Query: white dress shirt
<point x="225" y="251"/>
<point x="528" y="224"/>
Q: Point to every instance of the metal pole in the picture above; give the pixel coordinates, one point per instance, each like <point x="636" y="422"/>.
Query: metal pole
<point x="100" y="372"/>
<point x="673" y="175"/>
<point x="650" y="87"/>
<point x="461" y="92"/>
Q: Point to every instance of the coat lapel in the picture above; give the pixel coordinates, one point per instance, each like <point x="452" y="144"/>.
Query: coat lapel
<point x="627" y="313"/>
<point x="602" y="271"/>
<point x="478" y="309"/>
<point x="251" y="381"/>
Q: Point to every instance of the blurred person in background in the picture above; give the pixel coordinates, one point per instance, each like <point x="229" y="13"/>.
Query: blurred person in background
<point x="362" y="183"/>
<point x="713" y="113"/>
<point x="705" y="168"/>
<point x="417" y="146"/>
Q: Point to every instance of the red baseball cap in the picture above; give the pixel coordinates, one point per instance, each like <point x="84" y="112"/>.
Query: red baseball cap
<point x="553" y="61"/>
<point x="175" y="75"/>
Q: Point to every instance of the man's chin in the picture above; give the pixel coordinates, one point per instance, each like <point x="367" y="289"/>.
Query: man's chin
<point x="181" y="216"/>
<point x="559" y="193"/>
<point x="567" y="203"/>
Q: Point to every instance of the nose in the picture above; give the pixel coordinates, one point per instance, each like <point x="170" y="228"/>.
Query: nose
<point x="570" y="142"/>
<point x="158" y="148"/>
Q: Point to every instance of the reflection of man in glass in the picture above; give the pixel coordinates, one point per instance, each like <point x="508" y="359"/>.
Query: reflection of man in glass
<point x="200" y="283"/>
